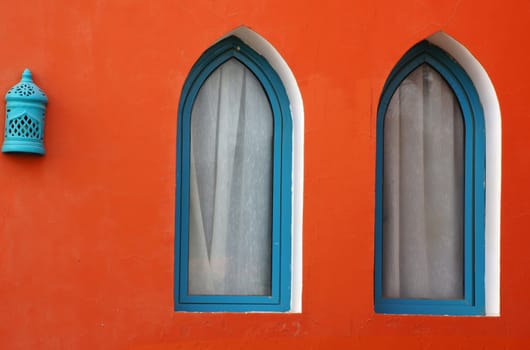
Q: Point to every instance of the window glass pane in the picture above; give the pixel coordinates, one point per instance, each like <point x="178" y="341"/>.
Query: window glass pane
<point x="423" y="190"/>
<point x="230" y="185"/>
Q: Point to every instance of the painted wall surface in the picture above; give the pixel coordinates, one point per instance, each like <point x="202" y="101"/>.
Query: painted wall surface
<point x="86" y="232"/>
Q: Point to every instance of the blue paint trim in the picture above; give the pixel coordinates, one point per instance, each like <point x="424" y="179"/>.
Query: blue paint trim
<point x="474" y="195"/>
<point x="279" y="300"/>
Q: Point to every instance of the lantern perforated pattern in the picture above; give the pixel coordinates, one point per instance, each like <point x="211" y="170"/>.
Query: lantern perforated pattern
<point x="25" y="89"/>
<point x="25" y="127"/>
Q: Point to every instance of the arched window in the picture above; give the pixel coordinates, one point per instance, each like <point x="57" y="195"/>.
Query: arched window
<point x="233" y="200"/>
<point x="429" y="232"/>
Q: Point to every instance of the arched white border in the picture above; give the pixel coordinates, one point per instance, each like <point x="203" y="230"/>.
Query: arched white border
<point x="264" y="48"/>
<point x="492" y="119"/>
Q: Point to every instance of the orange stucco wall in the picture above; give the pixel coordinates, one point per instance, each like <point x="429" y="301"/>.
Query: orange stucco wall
<point x="86" y="232"/>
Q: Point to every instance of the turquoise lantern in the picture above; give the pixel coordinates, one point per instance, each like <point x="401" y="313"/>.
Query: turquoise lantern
<point x="25" y="111"/>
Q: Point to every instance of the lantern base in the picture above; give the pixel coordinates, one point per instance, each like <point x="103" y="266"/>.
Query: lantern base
<point x="12" y="146"/>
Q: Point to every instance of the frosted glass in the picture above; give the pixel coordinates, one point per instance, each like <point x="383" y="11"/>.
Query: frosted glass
<point x="230" y="185"/>
<point x="423" y="190"/>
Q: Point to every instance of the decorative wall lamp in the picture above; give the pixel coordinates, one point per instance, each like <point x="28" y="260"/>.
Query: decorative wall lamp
<point x="25" y="111"/>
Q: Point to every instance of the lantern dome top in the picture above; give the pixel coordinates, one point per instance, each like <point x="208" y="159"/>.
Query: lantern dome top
<point x="26" y="90"/>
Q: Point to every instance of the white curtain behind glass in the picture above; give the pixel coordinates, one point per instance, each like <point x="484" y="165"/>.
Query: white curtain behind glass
<point x="230" y="185"/>
<point x="423" y="198"/>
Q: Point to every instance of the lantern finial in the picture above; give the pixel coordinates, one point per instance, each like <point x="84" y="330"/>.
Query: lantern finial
<point x="26" y="76"/>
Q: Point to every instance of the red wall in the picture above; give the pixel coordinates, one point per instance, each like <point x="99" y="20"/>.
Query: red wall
<point x="86" y="232"/>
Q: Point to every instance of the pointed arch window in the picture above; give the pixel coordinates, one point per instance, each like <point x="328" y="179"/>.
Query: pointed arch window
<point x="233" y="210"/>
<point x="429" y="246"/>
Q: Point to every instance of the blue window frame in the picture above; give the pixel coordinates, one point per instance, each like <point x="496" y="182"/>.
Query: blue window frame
<point x="280" y="243"/>
<point x="473" y="250"/>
